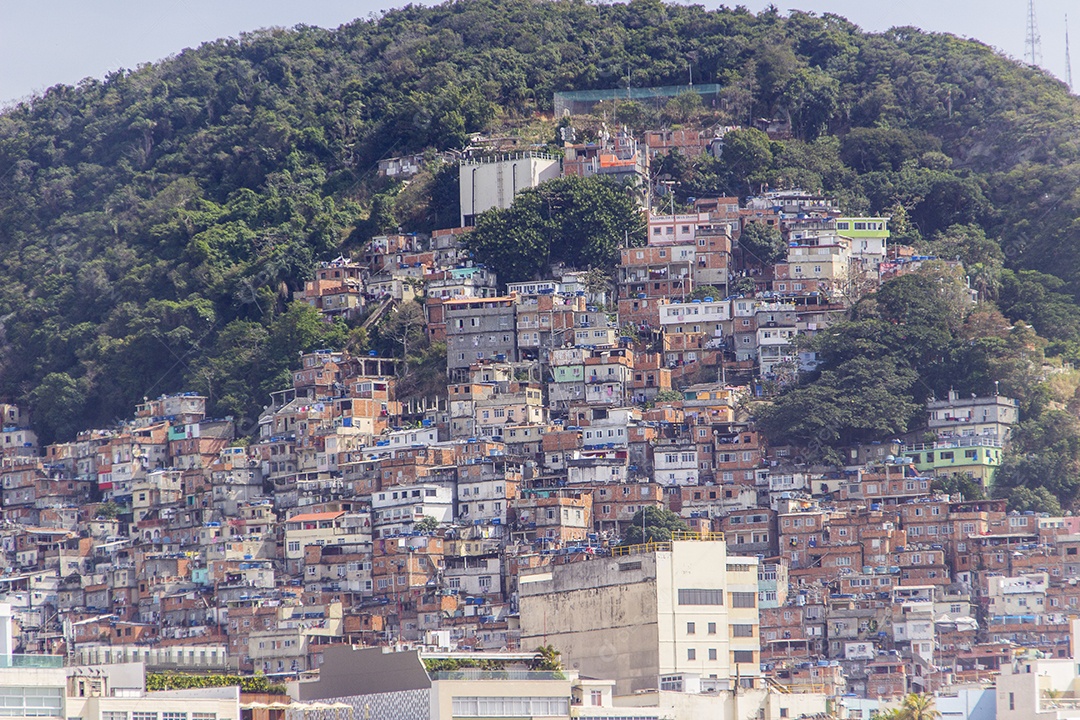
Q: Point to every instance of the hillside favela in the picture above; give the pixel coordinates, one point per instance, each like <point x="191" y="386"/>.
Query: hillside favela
<point x="545" y="359"/>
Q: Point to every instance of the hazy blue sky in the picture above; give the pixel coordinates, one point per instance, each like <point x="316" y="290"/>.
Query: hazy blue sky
<point x="45" y="42"/>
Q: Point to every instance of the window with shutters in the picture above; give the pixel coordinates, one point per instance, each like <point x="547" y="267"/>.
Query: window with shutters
<point x="696" y="596"/>
<point x="743" y="599"/>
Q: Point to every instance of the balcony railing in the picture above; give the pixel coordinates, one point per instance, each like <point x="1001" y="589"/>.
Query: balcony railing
<point x="705" y="536"/>
<point x="476" y="674"/>
<point x="952" y="443"/>
<point x="640" y="549"/>
<point x="31" y="661"/>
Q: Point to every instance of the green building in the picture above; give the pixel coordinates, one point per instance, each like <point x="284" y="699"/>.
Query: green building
<point x="976" y="457"/>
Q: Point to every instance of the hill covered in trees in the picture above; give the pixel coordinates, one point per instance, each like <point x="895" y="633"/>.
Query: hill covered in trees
<point x="154" y="225"/>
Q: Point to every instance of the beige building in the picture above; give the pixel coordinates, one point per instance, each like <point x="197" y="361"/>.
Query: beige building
<point x="101" y="696"/>
<point x="38" y="686"/>
<point x="756" y="704"/>
<point x="295" y="643"/>
<point x="386" y="685"/>
<point x="814" y="267"/>
<point x="1032" y="688"/>
<point x="1039" y="689"/>
<point x="679" y="616"/>
<point x="1023" y="595"/>
<point x="325" y="528"/>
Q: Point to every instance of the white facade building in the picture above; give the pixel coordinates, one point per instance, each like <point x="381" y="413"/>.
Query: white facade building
<point x="490" y="183"/>
<point x="694" y="609"/>
<point x="394" y="510"/>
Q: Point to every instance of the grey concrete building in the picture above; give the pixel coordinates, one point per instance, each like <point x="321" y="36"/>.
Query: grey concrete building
<point x="479" y="329"/>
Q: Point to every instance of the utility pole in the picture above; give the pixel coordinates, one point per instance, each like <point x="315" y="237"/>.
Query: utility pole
<point x="1034" y="42"/>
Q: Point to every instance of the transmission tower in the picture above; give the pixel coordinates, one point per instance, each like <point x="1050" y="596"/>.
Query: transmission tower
<point x="1034" y="42"/>
<point x="1068" y="59"/>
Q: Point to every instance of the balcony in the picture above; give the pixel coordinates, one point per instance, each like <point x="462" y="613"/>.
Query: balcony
<point x="960" y="442"/>
<point x="476" y="674"/>
<point x="31" y="661"/>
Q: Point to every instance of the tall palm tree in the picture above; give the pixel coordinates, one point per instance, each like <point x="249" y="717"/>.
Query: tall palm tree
<point x="919" y="706"/>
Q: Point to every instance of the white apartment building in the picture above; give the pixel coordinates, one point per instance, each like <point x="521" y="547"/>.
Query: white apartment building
<point x="395" y="509"/>
<point x="675" y="465"/>
<point x="1039" y="689"/>
<point x="702" y="316"/>
<point x="682" y="616"/>
<point x="1023" y="595"/>
<point x="483" y="502"/>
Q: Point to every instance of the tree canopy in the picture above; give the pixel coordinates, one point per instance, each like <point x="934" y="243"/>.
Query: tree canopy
<point x="763" y="244"/>
<point x="653" y="524"/>
<point x="578" y="221"/>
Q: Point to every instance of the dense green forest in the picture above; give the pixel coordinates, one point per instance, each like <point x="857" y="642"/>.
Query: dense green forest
<point x="154" y="225"/>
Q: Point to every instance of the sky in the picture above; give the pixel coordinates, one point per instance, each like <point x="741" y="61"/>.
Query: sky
<point x="46" y="42"/>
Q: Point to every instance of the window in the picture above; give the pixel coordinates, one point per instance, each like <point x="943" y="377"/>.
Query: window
<point x="174" y="716"/>
<point x="596" y="697"/>
<point x="712" y="653"/>
<point x="31" y="702"/>
<point x="712" y="628"/>
<point x="701" y="597"/>
<point x="691" y="654"/>
<point x="743" y="599"/>
<point x="742" y="631"/>
<point x="143" y="716"/>
<point x="510" y="706"/>
<point x="691" y="628"/>
<point x="743" y="656"/>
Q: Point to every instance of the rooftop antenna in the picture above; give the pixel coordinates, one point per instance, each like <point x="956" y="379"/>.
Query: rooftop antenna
<point x="1068" y="59"/>
<point x="1034" y="42"/>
